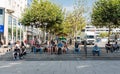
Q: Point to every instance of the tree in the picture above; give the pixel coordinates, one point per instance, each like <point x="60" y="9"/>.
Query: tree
<point x="43" y="11"/>
<point x="75" y="20"/>
<point x="26" y="17"/>
<point x="106" y="13"/>
<point x="104" y="34"/>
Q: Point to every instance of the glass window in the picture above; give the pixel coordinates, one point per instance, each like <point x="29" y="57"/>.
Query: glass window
<point x="14" y="21"/>
<point x="1" y="11"/>
<point x="90" y="36"/>
<point x="9" y="20"/>
<point x="78" y="37"/>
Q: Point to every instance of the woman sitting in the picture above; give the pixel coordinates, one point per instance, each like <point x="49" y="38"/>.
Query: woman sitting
<point x="65" y="48"/>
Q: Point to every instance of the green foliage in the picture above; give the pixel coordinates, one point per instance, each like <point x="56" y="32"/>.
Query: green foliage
<point x="104" y="34"/>
<point x="75" y="21"/>
<point x="26" y="17"/>
<point x="43" y="11"/>
<point x="106" y="13"/>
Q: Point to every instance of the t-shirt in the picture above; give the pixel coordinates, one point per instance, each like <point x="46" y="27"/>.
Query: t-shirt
<point x="17" y="46"/>
<point x="115" y="45"/>
<point x="108" y="45"/>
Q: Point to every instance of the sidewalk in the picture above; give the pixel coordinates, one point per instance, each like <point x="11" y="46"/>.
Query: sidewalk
<point x="4" y="49"/>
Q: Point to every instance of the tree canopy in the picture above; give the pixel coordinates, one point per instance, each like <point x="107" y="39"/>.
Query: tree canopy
<point x="75" y="21"/>
<point x="43" y="11"/>
<point x="106" y="13"/>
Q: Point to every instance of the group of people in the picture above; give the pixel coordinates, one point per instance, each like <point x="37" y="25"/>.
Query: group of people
<point x="56" y="48"/>
<point x="19" y="50"/>
<point x="51" y="47"/>
<point x="111" y="47"/>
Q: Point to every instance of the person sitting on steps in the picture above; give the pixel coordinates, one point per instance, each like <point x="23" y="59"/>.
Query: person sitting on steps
<point x="115" y="47"/>
<point x="60" y="46"/>
<point x="108" y="47"/>
<point x="96" y="50"/>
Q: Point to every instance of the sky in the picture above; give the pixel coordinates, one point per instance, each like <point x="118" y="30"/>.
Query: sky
<point x="68" y="4"/>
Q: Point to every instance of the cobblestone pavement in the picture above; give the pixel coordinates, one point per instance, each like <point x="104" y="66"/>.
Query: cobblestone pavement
<point x="60" y="67"/>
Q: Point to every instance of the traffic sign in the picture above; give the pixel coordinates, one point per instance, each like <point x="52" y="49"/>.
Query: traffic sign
<point x="1" y="28"/>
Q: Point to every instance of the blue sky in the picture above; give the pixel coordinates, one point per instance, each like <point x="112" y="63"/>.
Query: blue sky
<point x="68" y="4"/>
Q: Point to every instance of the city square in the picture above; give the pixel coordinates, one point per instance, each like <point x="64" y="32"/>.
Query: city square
<point x="59" y="36"/>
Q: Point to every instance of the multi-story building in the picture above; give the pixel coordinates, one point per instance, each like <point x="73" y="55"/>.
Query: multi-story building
<point x="10" y="13"/>
<point x="101" y="30"/>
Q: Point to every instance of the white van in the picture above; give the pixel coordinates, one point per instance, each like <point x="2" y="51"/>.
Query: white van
<point x="90" y="37"/>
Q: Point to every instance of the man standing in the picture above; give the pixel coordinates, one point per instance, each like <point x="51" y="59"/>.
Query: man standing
<point x="70" y="41"/>
<point x="85" y="47"/>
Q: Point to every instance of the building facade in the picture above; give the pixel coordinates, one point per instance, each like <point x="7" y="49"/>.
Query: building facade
<point x="97" y="31"/>
<point x="10" y="13"/>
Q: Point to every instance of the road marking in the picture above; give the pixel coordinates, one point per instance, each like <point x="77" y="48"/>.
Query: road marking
<point x="83" y="66"/>
<point x="10" y="65"/>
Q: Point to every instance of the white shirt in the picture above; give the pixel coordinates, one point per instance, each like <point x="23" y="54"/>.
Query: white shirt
<point x="17" y="45"/>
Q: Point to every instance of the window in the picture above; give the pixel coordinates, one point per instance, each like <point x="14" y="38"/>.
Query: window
<point x="9" y="20"/>
<point x="1" y="11"/>
<point x="90" y="36"/>
<point x="14" y="21"/>
<point x="78" y="37"/>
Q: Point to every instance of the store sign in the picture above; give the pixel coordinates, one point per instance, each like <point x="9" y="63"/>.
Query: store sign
<point x="1" y="28"/>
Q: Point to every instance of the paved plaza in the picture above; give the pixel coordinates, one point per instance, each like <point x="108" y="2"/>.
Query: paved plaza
<point x="36" y="63"/>
<point x="70" y="56"/>
<point x="60" y="67"/>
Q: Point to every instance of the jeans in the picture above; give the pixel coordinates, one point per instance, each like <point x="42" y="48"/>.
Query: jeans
<point x="109" y="49"/>
<point x="77" y="50"/>
<point x="96" y="52"/>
